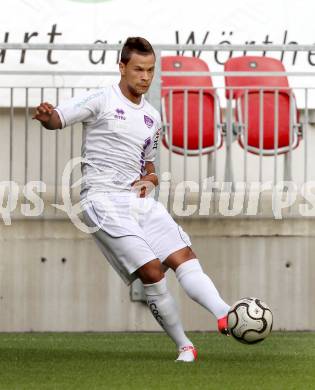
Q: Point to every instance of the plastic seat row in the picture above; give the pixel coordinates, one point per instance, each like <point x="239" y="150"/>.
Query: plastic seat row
<point x="265" y="118"/>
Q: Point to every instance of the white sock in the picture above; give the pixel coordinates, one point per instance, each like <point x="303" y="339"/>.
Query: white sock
<point x="200" y="287"/>
<point x="163" y="308"/>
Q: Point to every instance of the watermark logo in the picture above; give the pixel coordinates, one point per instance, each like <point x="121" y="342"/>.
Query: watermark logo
<point x="188" y="198"/>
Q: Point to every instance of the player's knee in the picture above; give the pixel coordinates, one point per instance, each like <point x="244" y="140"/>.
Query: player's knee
<point x="151" y="276"/>
<point x="179" y="257"/>
<point x="151" y="272"/>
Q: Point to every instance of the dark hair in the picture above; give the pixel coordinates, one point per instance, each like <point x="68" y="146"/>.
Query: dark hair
<point x="135" y="45"/>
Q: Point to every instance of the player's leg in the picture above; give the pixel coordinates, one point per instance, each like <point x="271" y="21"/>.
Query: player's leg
<point x="163" y="307"/>
<point x="198" y="285"/>
<point x="172" y="246"/>
<point x="132" y="257"/>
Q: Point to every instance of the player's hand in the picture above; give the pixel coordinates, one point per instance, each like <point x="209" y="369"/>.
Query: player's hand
<point x="145" y="185"/>
<point x="44" y="112"/>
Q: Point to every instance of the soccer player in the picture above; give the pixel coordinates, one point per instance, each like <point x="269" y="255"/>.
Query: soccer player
<point x="136" y="234"/>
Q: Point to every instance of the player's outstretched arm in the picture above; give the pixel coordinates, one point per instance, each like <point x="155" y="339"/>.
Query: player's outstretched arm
<point x="48" y="117"/>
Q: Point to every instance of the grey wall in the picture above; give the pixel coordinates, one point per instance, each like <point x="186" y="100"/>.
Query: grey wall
<point x="270" y="259"/>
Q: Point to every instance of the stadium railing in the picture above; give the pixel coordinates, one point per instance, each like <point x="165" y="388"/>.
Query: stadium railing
<point x="33" y="153"/>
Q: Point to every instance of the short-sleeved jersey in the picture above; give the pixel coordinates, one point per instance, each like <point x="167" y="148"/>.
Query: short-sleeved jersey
<point x="118" y="137"/>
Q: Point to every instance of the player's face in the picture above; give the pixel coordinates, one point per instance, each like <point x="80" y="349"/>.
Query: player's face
<point x="138" y="73"/>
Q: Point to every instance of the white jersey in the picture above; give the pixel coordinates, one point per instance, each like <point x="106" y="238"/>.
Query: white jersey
<point x="118" y="137"/>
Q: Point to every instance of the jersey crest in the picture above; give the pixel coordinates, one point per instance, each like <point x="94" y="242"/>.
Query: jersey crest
<point x="148" y="121"/>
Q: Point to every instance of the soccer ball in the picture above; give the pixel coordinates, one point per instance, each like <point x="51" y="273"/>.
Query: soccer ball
<point x="250" y="320"/>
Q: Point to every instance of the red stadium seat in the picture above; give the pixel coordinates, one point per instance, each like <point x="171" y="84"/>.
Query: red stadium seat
<point x="269" y="143"/>
<point x="176" y="88"/>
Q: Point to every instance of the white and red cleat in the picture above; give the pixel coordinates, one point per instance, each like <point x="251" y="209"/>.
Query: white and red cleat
<point x="187" y="354"/>
<point x="223" y="326"/>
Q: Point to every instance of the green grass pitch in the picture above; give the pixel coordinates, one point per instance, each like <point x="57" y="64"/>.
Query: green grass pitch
<point x="146" y="361"/>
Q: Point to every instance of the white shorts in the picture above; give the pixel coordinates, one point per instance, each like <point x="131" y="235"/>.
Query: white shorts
<point x="132" y="231"/>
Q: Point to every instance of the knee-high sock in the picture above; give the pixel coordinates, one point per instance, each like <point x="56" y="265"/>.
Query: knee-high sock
<point x="200" y="287"/>
<point x="163" y="308"/>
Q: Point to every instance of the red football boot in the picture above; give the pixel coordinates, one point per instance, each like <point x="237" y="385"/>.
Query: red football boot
<point x="187" y="354"/>
<point x="223" y="326"/>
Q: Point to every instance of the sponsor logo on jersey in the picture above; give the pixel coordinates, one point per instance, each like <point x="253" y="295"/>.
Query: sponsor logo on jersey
<point x="156" y="139"/>
<point x="148" y="121"/>
<point x="120" y="114"/>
